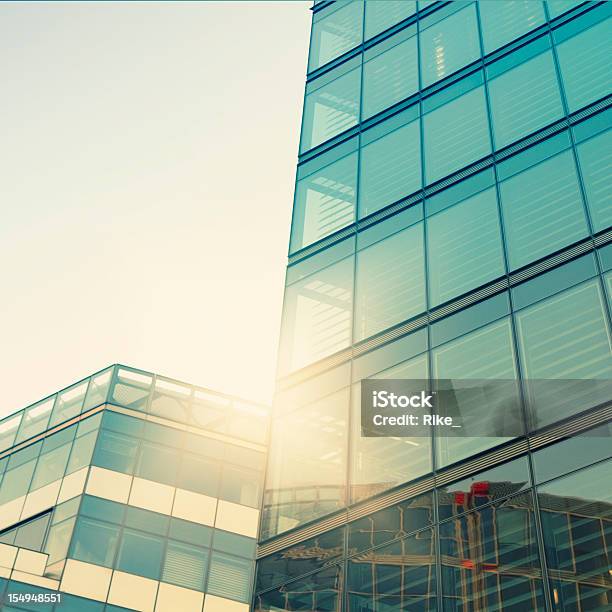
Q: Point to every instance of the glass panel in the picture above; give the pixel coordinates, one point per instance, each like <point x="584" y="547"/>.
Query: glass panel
<point x="16" y="481"/>
<point x="158" y="463"/>
<point x="201" y="535"/>
<point x="502" y="22"/>
<point x="234" y="543"/>
<point x="486" y="353"/>
<point x="576" y="516"/>
<point x="324" y="202"/>
<point x="456" y="134"/>
<point x="490" y="558"/>
<point x="390" y="77"/>
<point x="558" y="7"/>
<point x="140" y="554"/>
<point x="390" y="169"/>
<point x="35" y="419"/>
<point x="171" y="400"/>
<point x="104" y="509"/>
<point x="241" y="486"/>
<point x="146" y="520"/>
<point x="58" y="541"/>
<point x="595" y="157"/>
<point x="449" y="45"/>
<point x="51" y="466"/>
<point x="524" y="99"/>
<point x="585" y="65"/>
<point x="335" y="33"/>
<point x="249" y="422"/>
<point x="131" y="389"/>
<point x="115" y="452"/>
<point x="390" y="282"/>
<point x="199" y="474"/>
<point x="380" y="15"/>
<point x="185" y="565"/>
<point x="32" y="534"/>
<point x="94" y="542"/>
<point x="464" y="247"/>
<point x="8" y="431"/>
<point x="68" y="403"/>
<point x="317" y="316"/>
<point x="229" y="577"/>
<point x="565" y="337"/>
<point x="307" y="463"/>
<point x="330" y="110"/>
<point x="82" y="451"/>
<point x="542" y="210"/>
<point x="98" y="389"/>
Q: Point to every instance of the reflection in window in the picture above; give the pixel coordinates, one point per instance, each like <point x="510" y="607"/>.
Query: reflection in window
<point x="335" y="33"/>
<point x="331" y="109"/>
<point x="595" y="157"/>
<point x="324" y="202"/>
<point x="380" y="15"/>
<point x="576" y="516"/>
<point x="199" y="474"/>
<point x="140" y="554"/>
<point x="158" y="463"/>
<point x="558" y="7"/>
<point x="456" y="134"/>
<point x="585" y="64"/>
<point x="502" y="22"/>
<point x="51" y="466"/>
<point x="94" y="542"/>
<point x="241" y="486"/>
<point x="390" y="282"/>
<point x="229" y="577"/>
<point x="317" y="316"/>
<point x="390" y="169"/>
<point x="542" y="209"/>
<point x="115" y="452"/>
<point x="449" y="45"/>
<point x="524" y="99"/>
<point x="464" y="247"/>
<point x="390" y="77"/>
<point x="307" y="463"/>
<point x="565" y="337"/>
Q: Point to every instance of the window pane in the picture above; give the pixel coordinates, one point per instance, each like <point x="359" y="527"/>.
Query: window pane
<point x="390" y="282"/>
<point x="82" y="450"/>
<point x="565" y="337"/>
<point x="524" y="99"/>
<point x="140" y="554"/>
<point x="31" y="535"/>
<point x="558" y="7"/>
<point x="464" y="247"/>
<point x="229" y="577"/>
<point x="98" y="389"/>
<point x="95" y="542"/>
<point x="58" y="541"/>
<point x="317" y="316"/>
<point x="330" y="110"/>
<point x="324" y="202"/>
<point x="185" y="565"/>
<point x="542" y="209"/>
<point x="241" y="486"/>
<point x="115" y="452"/>
<point x="390" y="77"/>
<point x="51" y="466"/>
<point x="380" y="15"/>
<point x="585" y="65"/>
<point x="456" y="134"/>
<point x="390" y="169"/>
<point x="68" y="404"/>
<point x="595" y="157"/>
<point x="449" y="45"/>
<point x="335" y="33"/>
<point x="502" y="22"/>
<point x="199" y="474"/>
<point x="16" y="481"/>
<point x="158" y="463"/>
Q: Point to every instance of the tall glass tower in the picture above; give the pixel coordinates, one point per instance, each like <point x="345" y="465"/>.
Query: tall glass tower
<point x="452" y="220"/>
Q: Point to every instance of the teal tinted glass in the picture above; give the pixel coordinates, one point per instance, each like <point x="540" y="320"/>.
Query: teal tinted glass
<point x="456" y="134"/>
<point x="324" y="202"/>
<point x="390" y="77"/>
<point x="185" y="565"/>
<point x="335" y="32"/>
<point x="94" y="542"/>
<point x="558" y="7"/>
<point x="234" y="543"/>
<point x="146" y="520"/>
<point x="390" y="282"/>
<point x="82" y="450"/>
<point x="158" y="463"/>
<point x="390" y="169"/>
<point x="115" y="452"/>
<point x="449" y="45"/>
<point x="58" y="541"/>
<point x="464" y="247"/>
<point x="103" y="509"/>
<point x="502" y="22"/>
<point x="524" y="99"/>
<point x="380" y="15"/>
<point x="542" y="209"/>
<point x="51" y="466"/>
<point x="229" y="577"/>
<point x="330" y="110"/>
<point x="187" y="531"/>
<point x="140" y="553"/>
<point x="585" y="65"/>
<point x="68" y="403"/>
<point x="16" y="481"/>
<point x="595" y="157"/>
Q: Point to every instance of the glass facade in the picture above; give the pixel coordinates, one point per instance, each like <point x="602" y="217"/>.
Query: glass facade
<point x="474" y="244"/>
<point x="134" y="479"/>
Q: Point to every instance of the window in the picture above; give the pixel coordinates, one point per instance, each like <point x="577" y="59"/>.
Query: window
<point x="585" y="64"/>
<point x="58" y="541"/>
<point x="380" y="15"/>
<point x="241" y="486"/>
<point x="565" y="337"/>
<point x="390" y="282"/>
<point x="95" y="542"/>
<point x="524" y="99"/>
<point x="331" y="109"/>
<point x="115" y="452"/>
<point x="229" y="577"/>
<point x="558" y="7"/>
<point x="334" y="33"/>
<point x="542" y="209"/>
<point x="324" y="202"/>
<point x="456" y="134"/>
<point x="317" y="316"/>
<point x="82" y="450"/>
<point x="68" y="404"/>
<point x="51" y="466"/>
<point x="187" y="531"/>
<point x="16" y="481"/>
<point x="595" y="157"/>
<point x="502" y="22"/>
<point x="199" y="474"/>
<point x="464" y="247"/>
<point x="449" y="45"/>
<point x="390" y="77"/>
<point x="390" y="169"/>
<point x="185" y="565"/>
<point x="158" y="463"/>
<point x="140" y="554"/>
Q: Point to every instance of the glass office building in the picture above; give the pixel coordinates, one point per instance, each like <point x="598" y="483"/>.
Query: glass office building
<point x="131" y="491"/>
<point x="452" y="220"/>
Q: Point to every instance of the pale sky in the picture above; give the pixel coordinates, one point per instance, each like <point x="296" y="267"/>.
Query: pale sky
<point x="147" y="162"/>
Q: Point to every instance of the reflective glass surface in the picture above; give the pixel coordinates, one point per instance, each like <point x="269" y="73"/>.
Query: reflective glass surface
<point x="382" y="14"/>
